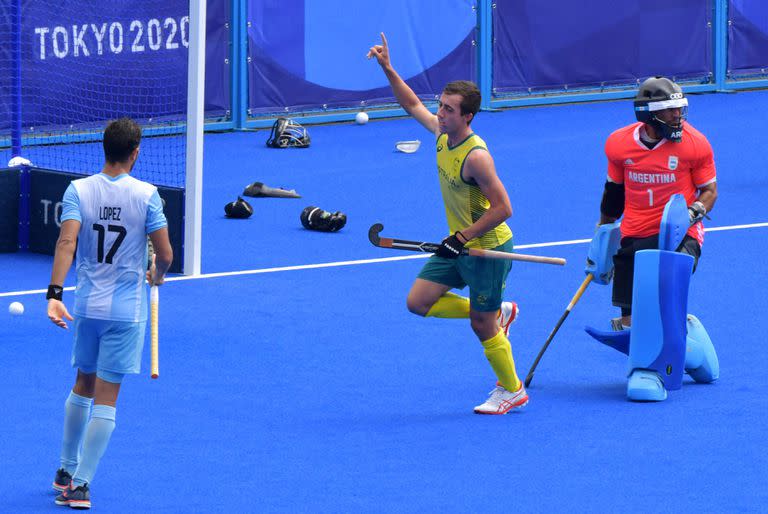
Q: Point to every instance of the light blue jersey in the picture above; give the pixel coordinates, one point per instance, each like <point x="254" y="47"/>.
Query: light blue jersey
<point x="116" y="214"/>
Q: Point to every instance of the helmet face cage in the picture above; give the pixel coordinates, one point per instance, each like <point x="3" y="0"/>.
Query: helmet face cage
<point x="668" y="131"/>
<point x="287" y="133"/>
<point x="658" y="94"/>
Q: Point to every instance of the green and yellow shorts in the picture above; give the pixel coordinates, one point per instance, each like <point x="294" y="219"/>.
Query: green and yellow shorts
<point x="486" y="278"/>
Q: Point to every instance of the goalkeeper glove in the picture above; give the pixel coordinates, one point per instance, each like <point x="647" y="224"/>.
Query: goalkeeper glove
<point x="696" y="212"/>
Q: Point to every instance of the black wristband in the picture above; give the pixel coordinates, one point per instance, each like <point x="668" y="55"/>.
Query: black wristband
<point x="55" y="292"/>
<point x="458" y="233"/>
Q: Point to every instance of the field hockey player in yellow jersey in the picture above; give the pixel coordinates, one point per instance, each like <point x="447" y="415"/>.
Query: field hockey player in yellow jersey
<point x="476" y="205"/>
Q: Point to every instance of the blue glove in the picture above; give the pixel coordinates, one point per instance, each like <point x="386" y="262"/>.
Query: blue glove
<point x="603" y="247"/>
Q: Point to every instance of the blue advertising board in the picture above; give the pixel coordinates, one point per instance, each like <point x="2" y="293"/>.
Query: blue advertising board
<point x="312" y="55"/>
<point x="596" y="43"/>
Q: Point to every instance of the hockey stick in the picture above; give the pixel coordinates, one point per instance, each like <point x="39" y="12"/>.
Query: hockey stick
<point x="416" y="246"/>
<point x="568" y="309"/>
<point x="154" y="309"/>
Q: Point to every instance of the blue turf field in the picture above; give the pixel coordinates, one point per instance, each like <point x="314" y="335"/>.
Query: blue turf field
<point x="314" y="390"/>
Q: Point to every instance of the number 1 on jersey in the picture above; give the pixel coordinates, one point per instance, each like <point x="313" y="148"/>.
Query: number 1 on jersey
<point x="650" y="197"/>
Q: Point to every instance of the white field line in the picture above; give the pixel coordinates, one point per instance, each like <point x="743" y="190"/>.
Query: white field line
<point x="365" y="261"/>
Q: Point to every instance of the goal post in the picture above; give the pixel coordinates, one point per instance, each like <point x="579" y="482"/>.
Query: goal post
<point x="193" y="203"/>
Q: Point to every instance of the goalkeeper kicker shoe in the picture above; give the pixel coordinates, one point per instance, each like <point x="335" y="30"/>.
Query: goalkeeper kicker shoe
<point x="62" y="480"/>
<point x="75" y="497"/>
<point x="507" y="315"/>
<point x="502" y="401"/>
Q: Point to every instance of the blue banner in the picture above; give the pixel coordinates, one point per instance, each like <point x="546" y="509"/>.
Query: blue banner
<point x="747" y="38"/>
<point x="83" y="62"/>
<point x="564" y="45"/>
<point x="311" y="55"/>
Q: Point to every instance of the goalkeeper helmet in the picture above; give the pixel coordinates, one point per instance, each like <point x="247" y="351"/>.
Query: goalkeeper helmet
<point x="657" y="94"/>
<point x="287" y="133"/>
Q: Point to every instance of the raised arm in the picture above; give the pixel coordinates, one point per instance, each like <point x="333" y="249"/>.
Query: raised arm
<point x="403" y="93"/>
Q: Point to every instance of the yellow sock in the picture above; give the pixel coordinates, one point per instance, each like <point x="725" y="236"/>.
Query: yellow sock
<point x="498" y="351"/>
<point x="450" y="305"/>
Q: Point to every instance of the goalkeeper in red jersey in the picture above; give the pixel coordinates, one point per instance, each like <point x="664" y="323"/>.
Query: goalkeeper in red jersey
<point x="649" y="161"/>
<point x="662" y="179"/>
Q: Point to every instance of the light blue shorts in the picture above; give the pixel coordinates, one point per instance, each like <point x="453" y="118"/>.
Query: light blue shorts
<point x="108" y="348"/>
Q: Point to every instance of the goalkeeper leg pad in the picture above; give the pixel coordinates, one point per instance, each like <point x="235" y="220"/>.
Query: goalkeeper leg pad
<point x="701" y="361"/>
<point x="659" y="305"/>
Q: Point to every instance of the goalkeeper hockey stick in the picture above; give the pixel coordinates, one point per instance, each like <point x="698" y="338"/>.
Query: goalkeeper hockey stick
<point x="568" y="309"/>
